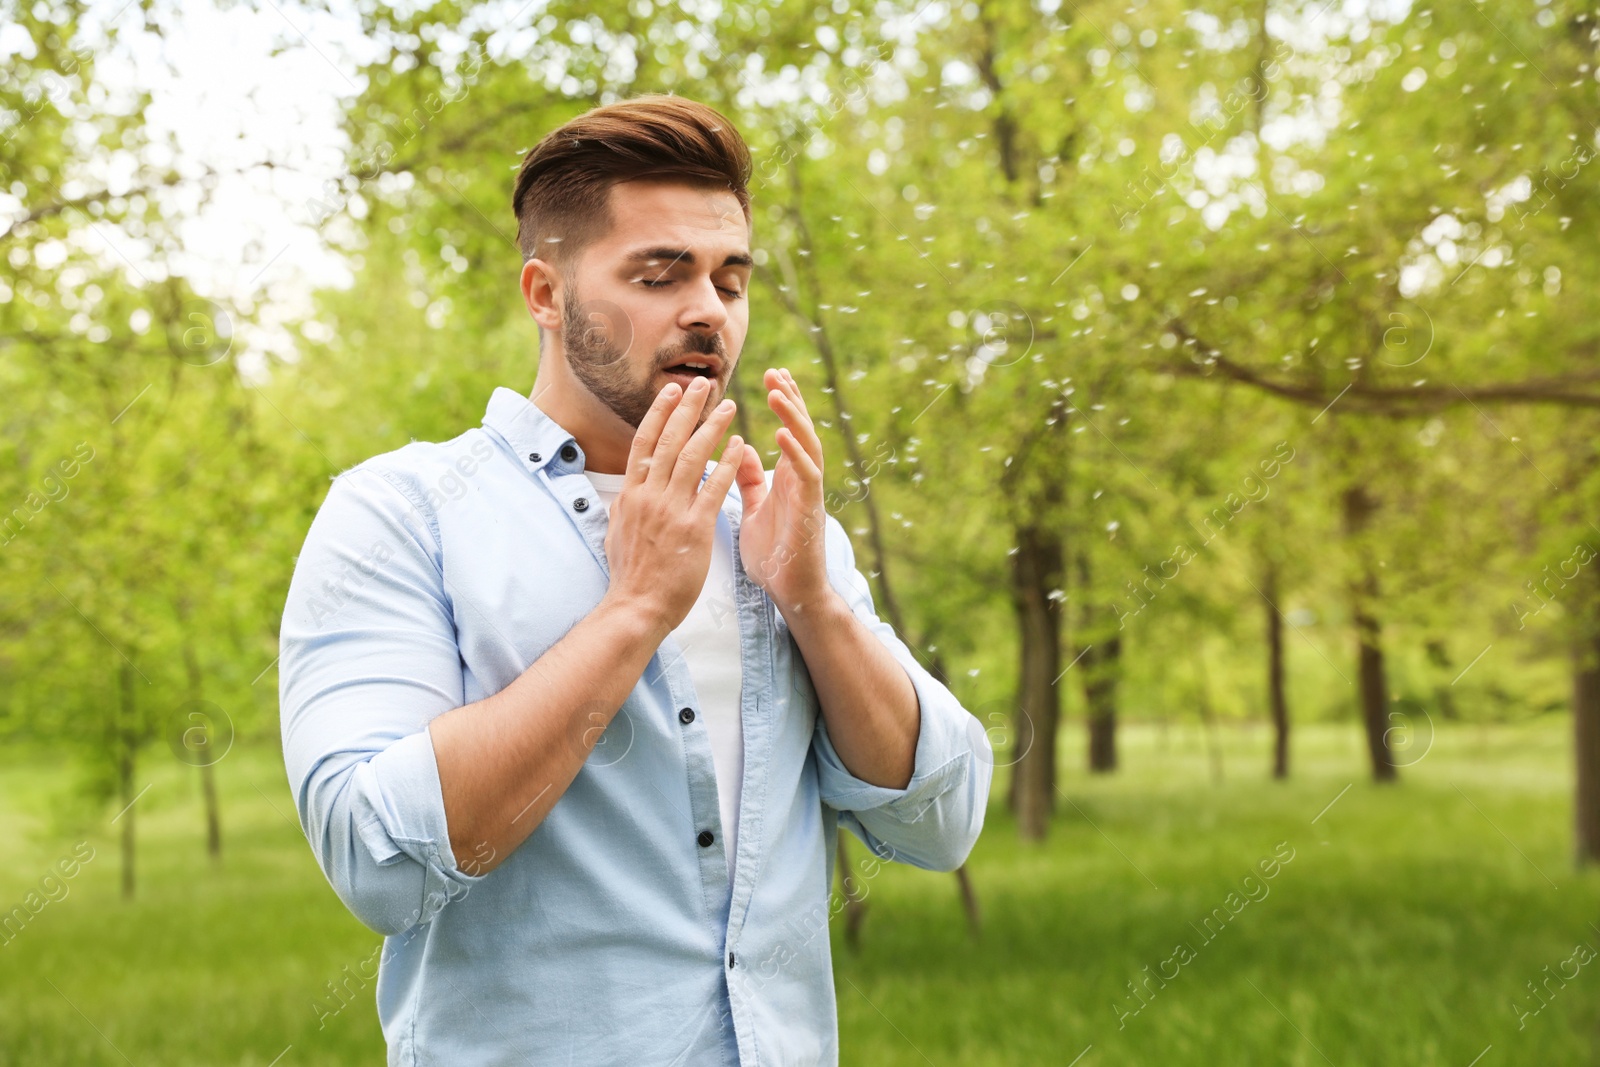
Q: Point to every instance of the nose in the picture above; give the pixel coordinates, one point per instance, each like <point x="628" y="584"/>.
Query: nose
<point x="704" y="312"/>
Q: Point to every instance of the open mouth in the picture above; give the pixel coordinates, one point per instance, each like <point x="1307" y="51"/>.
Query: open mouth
<point x="688" y="371"/>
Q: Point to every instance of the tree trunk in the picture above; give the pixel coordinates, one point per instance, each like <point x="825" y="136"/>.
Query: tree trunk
<point x="969" y="899"/>
<point x="1101" y="657"/>
<point x="1100" y="694"/>
<point x="1036" y="571"/>
<point x="1586" y="746"/>
<point x="125" y="773"/>
<point x="1102" y="732"/>
<point x="855" y="903"/>
<point x="1372" y="684"/>
<point x="1374" y="696"/>
<point x="208" y="773"/>
<point x="208" y="790"/>
<point x="1276" y="696"/>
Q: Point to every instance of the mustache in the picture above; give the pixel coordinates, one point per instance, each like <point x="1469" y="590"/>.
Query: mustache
<point x="698" y="344"/>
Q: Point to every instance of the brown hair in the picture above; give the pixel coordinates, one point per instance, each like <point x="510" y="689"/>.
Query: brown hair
<point x="563" y="189"/>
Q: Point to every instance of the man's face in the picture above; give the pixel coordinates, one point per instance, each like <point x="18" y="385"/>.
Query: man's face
<point x="667" y="286"/>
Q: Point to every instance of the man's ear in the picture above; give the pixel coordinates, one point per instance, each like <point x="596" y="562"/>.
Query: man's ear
<point x="540" y="281"/>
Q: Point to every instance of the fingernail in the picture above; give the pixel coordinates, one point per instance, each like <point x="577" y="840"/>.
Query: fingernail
<point x="726" y="405"/>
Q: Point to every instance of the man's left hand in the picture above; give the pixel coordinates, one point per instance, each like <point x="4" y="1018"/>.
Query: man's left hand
<point x="781" y="537"/>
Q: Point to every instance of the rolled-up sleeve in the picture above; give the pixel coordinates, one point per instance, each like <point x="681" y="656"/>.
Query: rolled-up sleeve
<point x="935" y="820"/>
<point x="368" y="656"/>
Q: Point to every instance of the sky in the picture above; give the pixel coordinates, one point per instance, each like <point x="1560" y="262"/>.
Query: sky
<point x="232" y="104"/>
<point x="255" y="93"/>
<point x="235" y="88"/>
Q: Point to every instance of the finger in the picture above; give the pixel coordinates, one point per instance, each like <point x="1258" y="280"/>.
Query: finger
<point x="797" y="423"/>
<point x="649" y="431"/>
<point x="797" y="454"/>
<point x="790" y="388"/>
<point x="752" y="479"/>
<point x="715" y="489"/>
<point x="690" y="466"/>
<point x="677" y="432"/>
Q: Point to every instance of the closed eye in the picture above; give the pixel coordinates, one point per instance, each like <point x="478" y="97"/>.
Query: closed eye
<point x="733" y="294"/>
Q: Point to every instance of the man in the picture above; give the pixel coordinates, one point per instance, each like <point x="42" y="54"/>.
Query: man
<point x="572" y="712"/>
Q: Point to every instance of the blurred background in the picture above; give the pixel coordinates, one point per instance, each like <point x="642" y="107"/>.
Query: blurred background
<point x="1212" y="393"/>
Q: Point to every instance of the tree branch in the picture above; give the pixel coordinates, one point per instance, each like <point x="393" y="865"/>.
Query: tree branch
<point x="1577" y="391"/>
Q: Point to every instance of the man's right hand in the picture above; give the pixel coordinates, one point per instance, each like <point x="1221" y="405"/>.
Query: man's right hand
<point x="658" y="541"/>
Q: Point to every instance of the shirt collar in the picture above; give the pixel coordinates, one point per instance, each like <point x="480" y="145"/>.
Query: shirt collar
<point x="536" y="438"/>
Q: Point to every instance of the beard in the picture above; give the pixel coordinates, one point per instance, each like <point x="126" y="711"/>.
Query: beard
<point x="596" y="336"/>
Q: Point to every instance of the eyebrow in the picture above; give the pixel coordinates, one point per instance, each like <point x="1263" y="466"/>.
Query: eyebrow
<point x="682" y="255"/>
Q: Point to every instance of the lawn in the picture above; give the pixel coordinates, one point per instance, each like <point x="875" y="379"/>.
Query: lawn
<point x="1400" y="924"/>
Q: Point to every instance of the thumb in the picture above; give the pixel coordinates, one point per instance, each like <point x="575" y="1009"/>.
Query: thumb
<point x="752" y="478"/>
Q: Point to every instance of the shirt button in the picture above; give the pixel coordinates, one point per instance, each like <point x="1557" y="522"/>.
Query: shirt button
<point x="686" y="716"/>
<point x="730" y="961"/>
<point x="705" y="838"/>
<point x="569" y="453"/>
<point x="533" y="457"/>
<point x="580" y="504"/>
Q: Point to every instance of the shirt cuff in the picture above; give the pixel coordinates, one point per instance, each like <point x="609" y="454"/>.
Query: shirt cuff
<point x="942" y="754"/>
<point x="397" y="806"/>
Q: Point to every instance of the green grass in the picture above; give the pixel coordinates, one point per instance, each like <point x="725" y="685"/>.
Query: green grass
<point x="1408" y="921"/>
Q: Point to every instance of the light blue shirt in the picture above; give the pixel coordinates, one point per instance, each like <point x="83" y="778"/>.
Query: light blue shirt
<point x="432" y="577"/>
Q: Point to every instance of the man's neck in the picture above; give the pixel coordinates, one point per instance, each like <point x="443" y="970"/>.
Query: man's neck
<point x="589" y="422"/>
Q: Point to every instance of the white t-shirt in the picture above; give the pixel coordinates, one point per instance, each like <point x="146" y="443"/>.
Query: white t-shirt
<point x="709" y="638"/>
